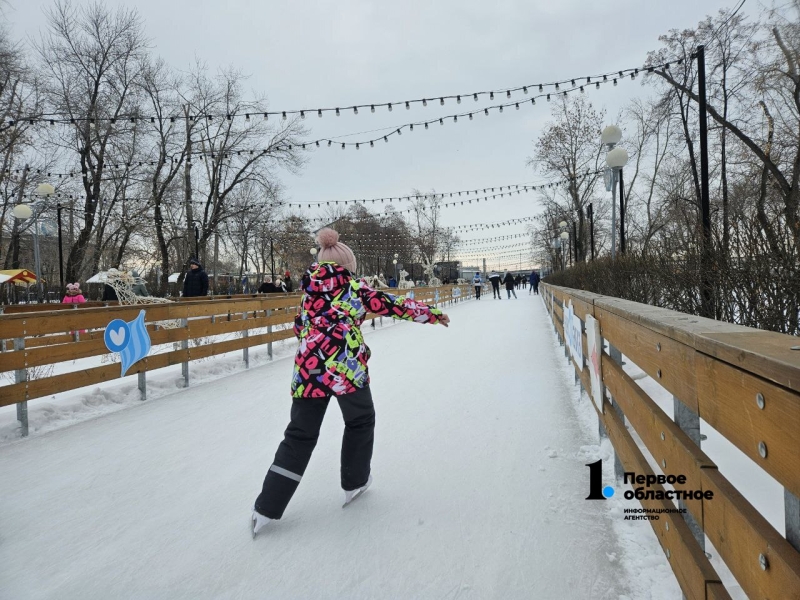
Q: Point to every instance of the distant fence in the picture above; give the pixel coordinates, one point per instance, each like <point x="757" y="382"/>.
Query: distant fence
<point x="743" y="382"/>
<point x="45" y="336"/>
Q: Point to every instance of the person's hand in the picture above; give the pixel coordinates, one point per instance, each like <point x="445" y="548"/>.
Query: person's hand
<point x="444" y="320"/>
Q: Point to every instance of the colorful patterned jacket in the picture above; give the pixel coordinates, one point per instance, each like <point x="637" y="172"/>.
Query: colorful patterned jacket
<point x="332" y="357"/>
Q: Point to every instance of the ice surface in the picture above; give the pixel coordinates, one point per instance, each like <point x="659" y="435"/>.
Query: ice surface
<point x="479" y="488"/>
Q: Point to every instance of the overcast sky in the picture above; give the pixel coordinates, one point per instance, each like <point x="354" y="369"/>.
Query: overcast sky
<point x="304" y="54"/>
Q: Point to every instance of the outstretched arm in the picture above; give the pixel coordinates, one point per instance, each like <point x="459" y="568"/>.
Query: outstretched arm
<point x="400" y="307"/>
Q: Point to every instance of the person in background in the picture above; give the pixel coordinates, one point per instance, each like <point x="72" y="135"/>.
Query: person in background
<point x="74" y="295"/>
<point x="524" y="281"/>
<point x="279" y="286"/>
<point x="392" y="282"/>
<point x="510" y="282"/>
<point x="196" y="282"/>
<point x="138" y="288"/>
<point x="517" y="281"/>
<point x="494" y="278"/>
<point x="478" y="283"/>
<point x="534" y="280"/>
<point x="267" y="287"/>
<point x="287" y="281"/>
<point x="109" y="293"/>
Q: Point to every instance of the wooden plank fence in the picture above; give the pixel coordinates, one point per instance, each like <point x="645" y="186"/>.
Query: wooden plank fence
<point x="743" y="382"/>
<point x="31" y="340"/>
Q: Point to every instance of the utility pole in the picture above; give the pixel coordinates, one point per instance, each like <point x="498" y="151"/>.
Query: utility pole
<point x="706" y="307"/>
<point x="590" y="214"/>
<point x="187" y="179"/>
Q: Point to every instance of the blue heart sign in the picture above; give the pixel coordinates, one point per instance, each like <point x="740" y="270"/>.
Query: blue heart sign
<point x="131" y="340"/>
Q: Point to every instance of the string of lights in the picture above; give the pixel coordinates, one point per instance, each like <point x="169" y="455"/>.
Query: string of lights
<point x="254" y="112"/>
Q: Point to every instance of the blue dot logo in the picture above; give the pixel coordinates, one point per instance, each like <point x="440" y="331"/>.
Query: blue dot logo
<point x="608" y="491"/>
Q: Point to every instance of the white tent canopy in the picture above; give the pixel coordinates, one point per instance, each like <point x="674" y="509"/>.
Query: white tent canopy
<point x="99" y="278"/>
<point x="4" y="278"/>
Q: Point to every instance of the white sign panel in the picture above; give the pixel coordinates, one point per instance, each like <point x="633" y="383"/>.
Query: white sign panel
<point x="572" y="330"/>
<point x="595" y="358"/>
<point x="456" y="292"/>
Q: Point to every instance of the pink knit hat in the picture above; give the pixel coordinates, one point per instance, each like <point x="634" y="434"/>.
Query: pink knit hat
<point x="332" y="250"/>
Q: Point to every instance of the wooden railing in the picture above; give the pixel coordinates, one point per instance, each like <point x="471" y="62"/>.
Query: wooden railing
<point x="745" y="383"/>
<point x="35" y="340"/>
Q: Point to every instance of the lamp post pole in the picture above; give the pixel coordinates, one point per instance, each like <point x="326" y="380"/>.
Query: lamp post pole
<point x="621" y="214"/>
<point x="59" y="208"/>
<point x="616" y="159"/>
<point x="590" y="214"/>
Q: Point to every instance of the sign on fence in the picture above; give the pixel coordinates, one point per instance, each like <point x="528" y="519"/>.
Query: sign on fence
<point x="572" y="331"/>
<point x="594" y="347"/>
<point x="456" y="292"/>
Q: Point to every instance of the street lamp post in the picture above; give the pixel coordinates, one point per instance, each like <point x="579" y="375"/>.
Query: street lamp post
<point x="394" y="262"/>
<point x="590" y="214"/>
<point x="616" y="159"/>
<point x="24" y="211"/>
<point x="564" y="239"/>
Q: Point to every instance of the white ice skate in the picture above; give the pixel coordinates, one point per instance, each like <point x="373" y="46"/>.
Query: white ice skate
<point x="353" y="494"/>
<point x="258" y="522"/>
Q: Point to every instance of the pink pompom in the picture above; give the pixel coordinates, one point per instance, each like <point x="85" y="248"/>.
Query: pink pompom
<point x="327" y="238"/>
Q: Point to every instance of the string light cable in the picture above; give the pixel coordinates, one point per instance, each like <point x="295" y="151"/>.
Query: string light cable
<point x="575" y="82"/>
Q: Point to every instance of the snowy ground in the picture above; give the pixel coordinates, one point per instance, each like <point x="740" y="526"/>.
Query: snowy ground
<point x="479" y="485"/>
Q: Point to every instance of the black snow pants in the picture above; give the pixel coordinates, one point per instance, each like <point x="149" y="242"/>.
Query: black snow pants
<point x="477" y="292"/>
<point x="496" y="290"/>
<point x="299" y="441"/>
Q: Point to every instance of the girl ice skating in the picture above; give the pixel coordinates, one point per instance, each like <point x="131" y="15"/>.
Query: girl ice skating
<point x="332" y="361"/>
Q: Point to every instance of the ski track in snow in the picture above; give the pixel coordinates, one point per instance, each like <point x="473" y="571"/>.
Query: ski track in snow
<point x="479" y="488"/>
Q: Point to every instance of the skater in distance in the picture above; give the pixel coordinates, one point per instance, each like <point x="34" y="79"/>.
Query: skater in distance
<point x="332" y="361"/>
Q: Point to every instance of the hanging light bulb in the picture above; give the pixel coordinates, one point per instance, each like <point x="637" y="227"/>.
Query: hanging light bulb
<point x="386" y="139"/>
<point x="486" y="111"/>
<point x="411" y="127"/>
<point x="597" y="85"/>
<point x="525" y="89"/>
<point x="338" y="114"/>
<point x="317" y="143"/>
<point x="399" y="132"/>
<point x="615" y="82"/>
<point x="458" y="99"/>
<point x="491" y="95"/>
<point x="470" y="116"/>
<point x="426" y="125"/>
<point x="455" y="118"/>
<point x="582" y="91"/>
<point x="533" y="100"/>
<point x="329" y="143"/>
<point x="501" y="109"/>
<point x="342" y="146"/>
<point x="357" y="145"/>
<point x="475" y="97"/>
<point x="517" y="105"/>
<point x="548" y="97"/>
<point x="424" y="102"/>
<point x="371" y="144"/>
<point x="302" y="114"/>
<point x="390" y="107"/>
<point x="441" y="121"/>
<point x="247" y="116"/>
<point x="284" y="116"/>
<point x="319" y="113"/>
<point x="557" y="88"/>
<point x="441" y="101"/>
<point x="355" y="110"/>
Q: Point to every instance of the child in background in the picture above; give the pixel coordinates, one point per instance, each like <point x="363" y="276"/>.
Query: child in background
<point x="74" y="295"/>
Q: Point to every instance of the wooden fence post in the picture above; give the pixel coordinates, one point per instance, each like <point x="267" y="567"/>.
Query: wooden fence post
<point x="142" y="381"/>
<point x="792" y="505"/>
<point x="185" y="346"/>
<point x="269" y="330"/>
<point x="616" y="356"/>
<point x="689" y="422"/>
<point x="21" y="376"/>
<point x="246" y="349"/>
